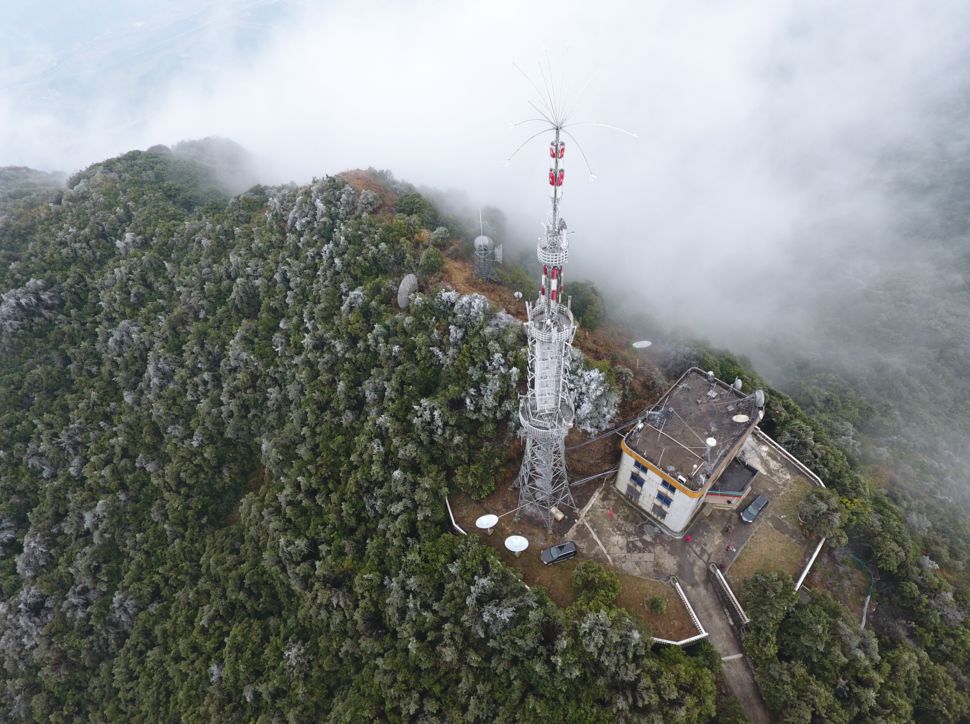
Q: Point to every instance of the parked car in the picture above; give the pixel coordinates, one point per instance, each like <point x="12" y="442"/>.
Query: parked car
<point x="751" y="512"/>
<point x="557" y="553"/>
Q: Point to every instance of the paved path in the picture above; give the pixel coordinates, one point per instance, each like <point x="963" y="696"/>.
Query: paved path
<point x="620" y="535"/>
<point x="737" y="670"/>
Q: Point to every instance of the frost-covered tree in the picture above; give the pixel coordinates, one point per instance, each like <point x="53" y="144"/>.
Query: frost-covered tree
<point x="34" y="556"/>
<point x="595" y="399"/>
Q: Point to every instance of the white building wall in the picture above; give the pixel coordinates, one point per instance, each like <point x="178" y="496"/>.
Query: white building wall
<point x="681" y="508"/>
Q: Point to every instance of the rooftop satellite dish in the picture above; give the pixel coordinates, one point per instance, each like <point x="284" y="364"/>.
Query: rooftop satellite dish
<point x="737" y="384"/>
<point x="408" y="285"/>
<point x="711" y="442"/>
<point x="516" y="544"/>
<point x="486" y="522"/>
<point x="710" y="375"/>
<point x="740" y="418"/>
<point x="517" y="295"/>
<point x="759" y="398"/>
<point x="642" y="344"/>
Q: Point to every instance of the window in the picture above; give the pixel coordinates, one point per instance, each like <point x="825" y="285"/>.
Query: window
<point x="640" y="466"/>
<point x="664" y="499"/>
<point x="667" y="486"/>
<point x="659" y="512"/>
<point x="633" y="493"/>
<point x="636" y="479"/>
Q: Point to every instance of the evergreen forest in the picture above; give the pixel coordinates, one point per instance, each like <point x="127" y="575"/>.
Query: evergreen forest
<point x="224" y="455"/>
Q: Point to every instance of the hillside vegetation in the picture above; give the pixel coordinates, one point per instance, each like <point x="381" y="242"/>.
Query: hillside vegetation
<point x="813" y="663"/>
<point x="224" y="451"/>
<point x="223" y="457"/>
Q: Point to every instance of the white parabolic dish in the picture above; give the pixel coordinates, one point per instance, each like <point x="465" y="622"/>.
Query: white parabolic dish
<point x="486" y="521"/>
<point x="516" y="543"/>
<point x="740" y="418"/>
<point x="711" y="442"/>
<point x="642" y="344"/>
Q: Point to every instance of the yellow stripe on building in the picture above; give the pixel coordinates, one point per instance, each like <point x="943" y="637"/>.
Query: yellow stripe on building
<point x="676" y="483"/>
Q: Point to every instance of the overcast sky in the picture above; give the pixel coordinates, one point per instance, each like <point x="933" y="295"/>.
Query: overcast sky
<point x="770" y="135"/>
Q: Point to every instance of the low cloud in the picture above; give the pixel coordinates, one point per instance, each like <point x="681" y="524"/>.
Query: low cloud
<point x="772" y="138"/>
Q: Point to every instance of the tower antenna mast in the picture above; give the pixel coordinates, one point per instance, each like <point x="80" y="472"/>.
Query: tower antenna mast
<point x="547" y="411"/>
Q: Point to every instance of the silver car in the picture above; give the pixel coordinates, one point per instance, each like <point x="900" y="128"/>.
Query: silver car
<point x="751" y="512"/>
<point x="558" y="553"/>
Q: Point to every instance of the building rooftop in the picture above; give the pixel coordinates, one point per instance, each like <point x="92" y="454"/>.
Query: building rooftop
<point x="735" y="479"/>
<point x="696" y="428"/>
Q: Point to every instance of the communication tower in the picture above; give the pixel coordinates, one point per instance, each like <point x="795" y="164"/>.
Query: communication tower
<point x="546" y="411"/>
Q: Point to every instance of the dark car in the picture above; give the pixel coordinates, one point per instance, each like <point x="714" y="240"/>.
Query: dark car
<point x="558" y="553"/>
<point x="751" y="512"/>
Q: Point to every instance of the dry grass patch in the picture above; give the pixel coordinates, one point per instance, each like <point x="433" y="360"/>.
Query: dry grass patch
<point x="673" y="624"/>
<point x="787" y="505"/>
<point x="557" y="580"/>
<point x="768" y="550"/>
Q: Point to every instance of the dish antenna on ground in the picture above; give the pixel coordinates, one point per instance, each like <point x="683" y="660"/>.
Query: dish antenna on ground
<point x="740" y="418"/>
<point x="711" y="442"/>
<point x="486" y="522"/>
<point x="516" y="544"/>
<point x="639" y="346"/>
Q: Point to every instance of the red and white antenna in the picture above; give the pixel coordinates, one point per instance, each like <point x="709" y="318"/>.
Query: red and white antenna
<point x="553" y="250"/>
<point x="547" y="411"/>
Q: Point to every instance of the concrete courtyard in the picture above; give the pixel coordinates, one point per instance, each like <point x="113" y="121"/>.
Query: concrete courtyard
<point x="610" y="530"/>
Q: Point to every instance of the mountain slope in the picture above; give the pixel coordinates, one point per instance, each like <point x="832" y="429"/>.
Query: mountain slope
<point x="224" y="455"/>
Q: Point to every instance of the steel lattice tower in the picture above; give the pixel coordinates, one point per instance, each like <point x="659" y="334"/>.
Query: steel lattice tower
<point x="546" y="412"/>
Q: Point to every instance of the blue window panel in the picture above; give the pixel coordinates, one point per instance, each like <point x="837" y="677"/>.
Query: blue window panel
<point x="639" y="466"/>
<point x="636" y="479"/>
<point x="667" y="486"/>
<point x="665" y="499"/>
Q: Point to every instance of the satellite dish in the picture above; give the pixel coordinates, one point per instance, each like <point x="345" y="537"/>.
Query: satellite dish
<point x="759" y="398"/>
<point x="642" y="344"/>
<point x="516" y="544"/>
<point x="483" y="242"/>
<point x="737" y="384"/>
<point x="486" y="522"/>
<point x="517" y="295"/>
<point x="710" y="375"/>
<point x="711" y="442"/>
<point x="740" y="418"/>
<point x="408" y="285"/>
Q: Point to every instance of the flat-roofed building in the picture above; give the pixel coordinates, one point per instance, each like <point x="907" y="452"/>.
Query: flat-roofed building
<point x="684" y="451"/>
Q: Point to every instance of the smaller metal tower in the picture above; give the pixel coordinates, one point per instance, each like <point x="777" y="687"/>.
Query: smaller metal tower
<point x="487" y="254"/>
<point x="484" y="258"/>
